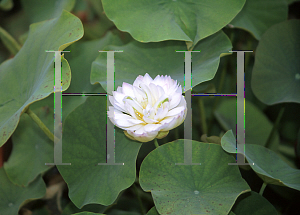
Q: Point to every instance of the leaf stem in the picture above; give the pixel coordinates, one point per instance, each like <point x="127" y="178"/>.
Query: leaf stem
<point x="202" y="116"/>
<point x="139" y="198"/>
<point x="275" y="126"/>
<point x="10" y="43"/>
<point x="37" y="120"/>
<point x="262" y="188"/>
<point x="156" y="143"/>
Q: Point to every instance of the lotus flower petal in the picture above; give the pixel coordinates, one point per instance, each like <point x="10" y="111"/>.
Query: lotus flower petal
<point x="149" y="108"/>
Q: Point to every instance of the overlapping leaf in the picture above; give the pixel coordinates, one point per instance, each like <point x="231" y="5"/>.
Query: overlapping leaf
<point x="152" y="211"/>
<point x="29" y="77"/>
<point x="276" y="71"/>
<point x="156" y="20"/>
<point x="80" y="58"/>
<point x="13" y="196"/>
<point x="119" y="212"/>
<point x="257" y="125"/>
<point x="84" y="146"/>
<point x="191" y="189"/>
<point x="162" y="59"/>
<point x="87" y="213"/>
<point x="71" y="209"/>
<point x="255" y="15"/>
<point x="98" y="27"/>
<point x="252" y="203"/>
<point x="267" y="164"/>
<point x="29" y="153"/>
<point x="37" y="10"/>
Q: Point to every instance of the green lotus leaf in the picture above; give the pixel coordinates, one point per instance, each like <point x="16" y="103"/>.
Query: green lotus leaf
<point x="37" y="10"/>
<point x="252" y="203"/>
<point x="255" y="15"/>
<point x="29" y="76"/>
<point x="276" y="71"/>
<point x="152" y="211"/>
<point x="80" y="59"/>
<point x="191" y="189"/>
<point x="71" y="209"/>
<point x="12" y="196"/>
<point x="156" y="20"/>
<point x="257" y="126"/>
<point x="84" y="146"/>
<point x="266" y="163"/>
<point x="87" y="213"/>
<point x="30" y="153"/>
<point x="162" y="59"/>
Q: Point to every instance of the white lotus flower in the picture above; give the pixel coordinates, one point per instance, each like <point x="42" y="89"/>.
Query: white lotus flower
<point x="149" y="108"/>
